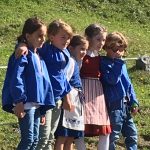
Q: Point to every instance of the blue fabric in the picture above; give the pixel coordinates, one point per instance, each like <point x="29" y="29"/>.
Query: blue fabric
<point x="29" y="127"/>
<point x="7" y="99"/>
<point x="122" y="122"/>
<point x="56" y="61"/>
<point x="115" y="81"/>
<point x="117" y="86"/>
<point x="27" y="83"/>
<point x="65" y="132"/>
<point x="75" y="80"/>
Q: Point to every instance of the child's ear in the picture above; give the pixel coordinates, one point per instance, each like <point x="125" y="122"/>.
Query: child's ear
<point x="50" y="37"/>
<point x="27" y="36"/>
<point x="70" y="47"/>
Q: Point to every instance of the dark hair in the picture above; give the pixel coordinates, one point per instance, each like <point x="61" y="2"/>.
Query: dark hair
<point x="57" y="25"/>
<point x="77" y="40"/>
<point x="94" y="29"/>
<point x="30" y="26"/>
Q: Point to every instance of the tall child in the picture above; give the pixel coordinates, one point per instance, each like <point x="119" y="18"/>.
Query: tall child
<point x="96" y="117"/>
<point x="71" y="124"/>
<point x="27" y="87"/>
<point x="119" y="93"/>
<point x="55" y="56"/>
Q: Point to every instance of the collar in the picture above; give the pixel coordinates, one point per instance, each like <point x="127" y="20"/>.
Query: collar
<point x="92" y="53"/>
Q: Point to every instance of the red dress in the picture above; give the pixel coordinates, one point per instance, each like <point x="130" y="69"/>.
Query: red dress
<point x="96" y="116"/>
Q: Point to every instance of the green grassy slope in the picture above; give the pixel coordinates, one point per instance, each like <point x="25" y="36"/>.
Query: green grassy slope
<point x="132" y="17"/>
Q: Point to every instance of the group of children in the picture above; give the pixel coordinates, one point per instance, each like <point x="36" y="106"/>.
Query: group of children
<point x="62" y="90"/>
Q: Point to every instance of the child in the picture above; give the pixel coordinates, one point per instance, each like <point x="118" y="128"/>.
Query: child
<point x="71" y="124"/>
<point x="119" y="92"/>
<point x="29" y="86"/>
<point x="96" y="117"/>
<point x="55" y="56"/>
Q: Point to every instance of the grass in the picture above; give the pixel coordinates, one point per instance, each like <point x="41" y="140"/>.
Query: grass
<point x="131" y="17"/>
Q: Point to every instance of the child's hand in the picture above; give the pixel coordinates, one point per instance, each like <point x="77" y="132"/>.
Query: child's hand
<point x="134" y="109"/>
<point x="67" y="104"/>
<point x="19" y="110"/>
<point x="43" y="120"/>
<point x="21" y="50"/>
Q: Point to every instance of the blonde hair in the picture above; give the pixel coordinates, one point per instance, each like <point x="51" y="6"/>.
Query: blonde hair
<point x="115" y="40"/>
<point x="57" y="25"/>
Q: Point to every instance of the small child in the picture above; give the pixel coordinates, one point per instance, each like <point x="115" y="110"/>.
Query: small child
<point x="27" y="90"/>
<point x="71" y="124"/>
<point x="96" y="117"/>
<point x="56" y="57"/>
<point x="119" y="93"/>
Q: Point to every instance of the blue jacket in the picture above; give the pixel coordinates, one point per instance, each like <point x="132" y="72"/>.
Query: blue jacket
<point x="75" y="80"/>
<point x="26" y="81"/>
<point x="116" y="82"/>
<point x="56" y="61"/>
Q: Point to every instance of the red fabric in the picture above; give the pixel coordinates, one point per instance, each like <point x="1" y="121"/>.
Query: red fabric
<point x="90" y="67"/>
<point x="94" y="130"/>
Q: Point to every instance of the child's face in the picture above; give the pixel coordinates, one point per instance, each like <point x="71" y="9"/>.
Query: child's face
<point x="97" y="42"/>
<point x="117" y="53"/>
<point x="61" y="40"/>
<point x="80" y="51"/>
<point x="37" y="38"/>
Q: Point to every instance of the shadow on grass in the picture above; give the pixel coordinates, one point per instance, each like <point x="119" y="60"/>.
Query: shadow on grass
<point x="146" y="137"/>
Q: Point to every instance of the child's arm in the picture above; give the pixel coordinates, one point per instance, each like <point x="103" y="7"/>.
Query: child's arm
<point x="67" y="104"/>
<point x="111" y="71"/>
<point x="133" y="102"/>
<point x="17" y="86"/>
<point x="21" y="50"/>
<point x="19" y="110"/>
<point x="43" y="120"/>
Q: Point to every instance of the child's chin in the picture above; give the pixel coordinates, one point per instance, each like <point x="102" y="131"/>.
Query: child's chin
<point x="40" y="46"/>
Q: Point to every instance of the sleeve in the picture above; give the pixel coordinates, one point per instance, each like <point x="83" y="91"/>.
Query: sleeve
<point x="7" y="101"/>
<point x="110" y="72"/>
<point x="130" y="89"/>
<point x="132" y="95"/>
<point x="17" y="84"/>
<point x="75" y="80"/>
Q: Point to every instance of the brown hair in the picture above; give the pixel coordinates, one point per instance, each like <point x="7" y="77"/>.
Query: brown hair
<point x="57" y="25"/>
<point x="93" y="30"/>
<point x="115" y="40"/>
<point x="30" y="26"/>
<point x="77" y="40"/>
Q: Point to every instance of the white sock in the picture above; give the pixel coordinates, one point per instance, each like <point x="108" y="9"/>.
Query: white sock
<point x="103" y="143"/>
<point x="80" y="144"/>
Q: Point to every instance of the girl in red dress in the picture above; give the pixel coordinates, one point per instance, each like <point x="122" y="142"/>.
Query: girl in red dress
<point x="97" y="121"/>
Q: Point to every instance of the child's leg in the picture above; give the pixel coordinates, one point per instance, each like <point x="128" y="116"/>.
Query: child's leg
<point x="45" y="131"/>
<point x="116" y="120"/>
<point x="28" y="135"/>
<point x="80" y="144"/>
<point x="129" y="131"/>
<point x="103" y="143"/>
<point x="36" y="128"/>
<point x="59" y="143"/>
<point x="54" y="123"/>
<point x="69" y="143"/>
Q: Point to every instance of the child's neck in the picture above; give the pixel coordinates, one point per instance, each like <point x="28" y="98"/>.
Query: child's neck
<point x="90" y="48"/>
<point x="34" y="49"/>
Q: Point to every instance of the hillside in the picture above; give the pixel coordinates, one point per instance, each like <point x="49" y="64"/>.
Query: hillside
<point x="132" y="17"/>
